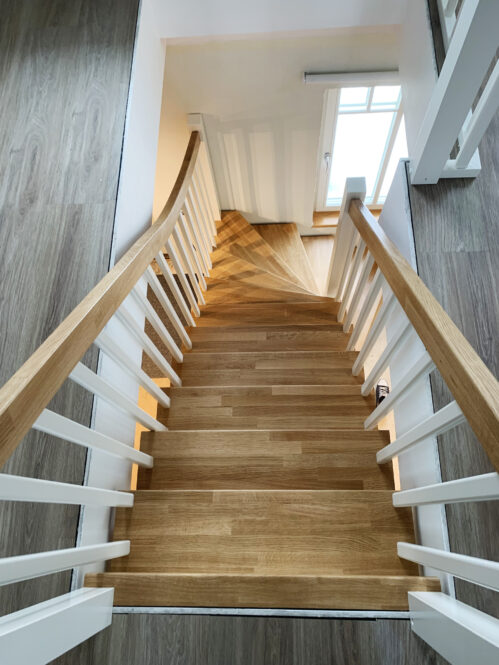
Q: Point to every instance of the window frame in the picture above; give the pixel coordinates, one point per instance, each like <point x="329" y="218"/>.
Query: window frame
<point x="331" y="111"/>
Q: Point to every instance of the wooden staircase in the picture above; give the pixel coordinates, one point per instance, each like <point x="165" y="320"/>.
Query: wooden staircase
<point x="265" y="491"/>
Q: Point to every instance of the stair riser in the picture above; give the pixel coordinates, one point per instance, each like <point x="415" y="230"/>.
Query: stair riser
<point x="345" y="593"/>
<point x="209" y="340"/>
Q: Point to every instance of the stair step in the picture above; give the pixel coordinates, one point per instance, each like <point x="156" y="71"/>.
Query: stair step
<point x="255" y="290"/>
<point x="265" y="460"/>
<point x="266" y="407"/>
<point x="268" y="368"/>
<point x="285" y="239"/>
<point x="269" y="314"/>
<point x="237" y="277"/>
<point x="207" y="339"/>
<point x="355" y="592"/>
<point x="280" y="532"/>
<point x="234" y="229"/>
<point x="319" y="250"/>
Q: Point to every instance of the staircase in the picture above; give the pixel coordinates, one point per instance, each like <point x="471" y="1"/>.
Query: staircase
<point x="265" y="490"/>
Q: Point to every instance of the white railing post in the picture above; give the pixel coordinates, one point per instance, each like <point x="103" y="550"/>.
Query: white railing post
<point x="470" y="53"/>
<point x="355" y="188"/>
<point x="461" y="634"/>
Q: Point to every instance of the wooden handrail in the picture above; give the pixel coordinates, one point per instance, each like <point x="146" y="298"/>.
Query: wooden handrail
<point x="473" y="386"/>
<point x="27" y="393"/>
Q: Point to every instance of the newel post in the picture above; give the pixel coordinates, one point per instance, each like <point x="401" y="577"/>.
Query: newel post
<point x="355" y="188"/>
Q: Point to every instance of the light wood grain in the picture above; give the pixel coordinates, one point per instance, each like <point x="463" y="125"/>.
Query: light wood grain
<point x="269" y="314"/>
<point x="236" y="235"/>
<point x="328" y="218"/>
<point x="353" y="592"/>
<point x="285" y="239"/>
<point x="264" y="532"/>
<point x="235" y="278"/>
<point x="274" y="338"/>
<point x="28" y="392"/>
<point x="473" y="386"/>
<point x="267" y="407"/>
<point x="312" y="459"/>
<point x="268" y="368"/>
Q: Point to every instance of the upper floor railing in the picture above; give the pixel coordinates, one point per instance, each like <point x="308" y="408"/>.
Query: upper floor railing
<point x="378" y="289"/>
<point x="186" y="230"/>
<point x="457" y="110"/>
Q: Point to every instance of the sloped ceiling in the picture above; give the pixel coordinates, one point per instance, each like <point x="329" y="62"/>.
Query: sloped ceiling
<point x="180" y="19"/>
<point x="263" y="123"/>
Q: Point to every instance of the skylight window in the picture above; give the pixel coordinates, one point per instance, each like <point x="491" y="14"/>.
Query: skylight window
<point x="367" y="139"/>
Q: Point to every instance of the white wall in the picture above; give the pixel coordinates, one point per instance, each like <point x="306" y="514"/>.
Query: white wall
<point x="133" y="216"/>
<point x="262" y="121"/>
<point x="418" y="70"/>
<point x="174" y="133"/>
<point x="209" y="18"/>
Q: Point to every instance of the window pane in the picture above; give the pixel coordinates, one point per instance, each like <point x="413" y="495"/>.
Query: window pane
<point x="399" y="152"/>
<point x="359" y="143"/>
<point x="386" y="95"/>
<point x="353" y="97"/>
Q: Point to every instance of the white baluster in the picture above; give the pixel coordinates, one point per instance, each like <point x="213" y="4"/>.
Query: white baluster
<point x="19" y="488"/>
<point x="106" y="344"/>
<point x="374" y="332"/>
<point x="182" y="278"/>
<point x="373" y="294"/>
<point x="446" y="418"/>
<point x="173" y="286"/>
<point x="160" y="294"/>
<point x="400" y="336"/>
<point x="148" y="345"/>
<point x="64" y="428"/>
<point x="475" y="488"/>
<point x="421" y="368"/>
<point x="92" y="382"/>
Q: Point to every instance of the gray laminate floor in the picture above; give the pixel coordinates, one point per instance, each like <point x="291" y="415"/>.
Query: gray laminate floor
<point x="141" y="639"/>
<point x="456" y="231"/>
<point x="64" y="73"/>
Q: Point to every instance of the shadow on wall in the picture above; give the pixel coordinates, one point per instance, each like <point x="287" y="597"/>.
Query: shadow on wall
<point x="266" y="170"/>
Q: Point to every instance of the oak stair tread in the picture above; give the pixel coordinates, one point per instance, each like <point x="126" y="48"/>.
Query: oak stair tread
<point x="268" y="368"/>
<point x="269" y="314"/>
<point x="208" y="339"/>
<point x="256" y="459"/>
<point x="266" y="407"/>
<point x="352" y="592"/>
<point x="285" y="239"/>
<point x="281" y="532"/>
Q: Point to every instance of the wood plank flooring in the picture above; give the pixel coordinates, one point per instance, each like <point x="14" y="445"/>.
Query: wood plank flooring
<point x="157" y="639"/>
<point x="268" y="407"/>
<point x="270" y="314"/>
<point x="235" y="590"/>
<point x="65" y="71"/>
<point x="274" y="338"/>
<point x="265" y="459"/>
<point x="269" y="368"/>
<point x="264" y="532"/>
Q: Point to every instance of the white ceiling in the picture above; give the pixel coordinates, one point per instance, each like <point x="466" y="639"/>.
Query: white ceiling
<point x="263" y="122"/>
<point x="181" y="19"/>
